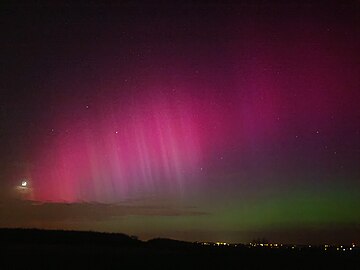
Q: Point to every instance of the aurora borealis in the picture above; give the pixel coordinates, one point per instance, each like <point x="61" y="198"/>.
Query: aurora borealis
<point x="197" y="121"/>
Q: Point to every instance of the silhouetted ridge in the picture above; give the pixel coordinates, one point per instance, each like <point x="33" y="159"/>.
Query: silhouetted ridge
<point x="37" y="236"/>
<point x="170" y="243"/>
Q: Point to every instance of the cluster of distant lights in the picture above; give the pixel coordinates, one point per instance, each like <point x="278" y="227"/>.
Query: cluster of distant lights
<point x="342" y="248"/>
<point x="235" y="245"/>
<point x="271" y="245"/>
<point x="265" y="245"/>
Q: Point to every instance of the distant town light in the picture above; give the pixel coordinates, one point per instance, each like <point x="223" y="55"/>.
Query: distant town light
<point x="24" y="183"/>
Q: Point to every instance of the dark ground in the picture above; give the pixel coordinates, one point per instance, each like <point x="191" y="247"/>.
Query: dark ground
<point x="39" y="249"/>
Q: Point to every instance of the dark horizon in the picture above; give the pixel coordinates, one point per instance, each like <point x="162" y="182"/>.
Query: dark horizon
<point x="84" y="250"/>
<point x="43" y="236"/>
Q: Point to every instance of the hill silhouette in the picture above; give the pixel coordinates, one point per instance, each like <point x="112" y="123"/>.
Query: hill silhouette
<point x="37" y="236"/>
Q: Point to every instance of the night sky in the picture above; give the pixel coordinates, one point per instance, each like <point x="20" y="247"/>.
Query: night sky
<point x="195" y="120"/>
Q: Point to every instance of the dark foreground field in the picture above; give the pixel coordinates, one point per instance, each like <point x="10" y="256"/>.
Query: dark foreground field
<point x="39" y="249"/>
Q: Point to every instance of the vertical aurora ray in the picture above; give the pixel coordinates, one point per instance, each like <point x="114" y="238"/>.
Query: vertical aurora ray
<point x="155" y="150"/>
